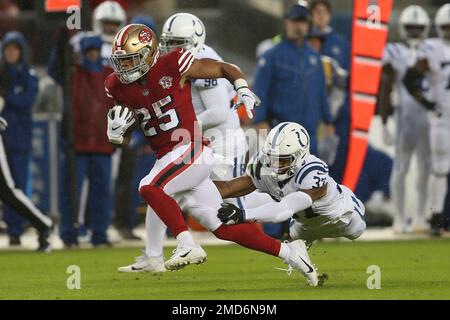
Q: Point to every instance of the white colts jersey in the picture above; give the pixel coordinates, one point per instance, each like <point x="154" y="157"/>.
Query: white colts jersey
<point x="212" y="100"/>
<point x="437" y="53"/>
<point x="336" y="205"/>
<point x="401" y="58"/>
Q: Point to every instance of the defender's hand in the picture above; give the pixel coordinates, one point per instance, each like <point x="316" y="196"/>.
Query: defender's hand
<point x="120" y="119"/>
<point x="230" y="214"/>
<point x="245" y="97"/>
<point x="3" y="124"/>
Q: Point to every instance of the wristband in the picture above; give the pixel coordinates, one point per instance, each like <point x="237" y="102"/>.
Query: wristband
<point x="240" y="83"/>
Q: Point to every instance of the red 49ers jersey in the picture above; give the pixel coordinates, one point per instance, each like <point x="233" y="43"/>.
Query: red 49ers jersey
<point x="163" y="97"/>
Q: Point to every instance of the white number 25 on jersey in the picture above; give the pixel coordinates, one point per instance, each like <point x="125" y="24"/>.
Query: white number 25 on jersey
<point x="163" y="126"/>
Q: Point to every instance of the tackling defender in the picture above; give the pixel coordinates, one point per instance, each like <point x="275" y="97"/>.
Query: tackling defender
<point x="159" y="88"/>
<point x="300" y="186"/>
<point x="412" y="129"/>
<point x="434" y="63"/>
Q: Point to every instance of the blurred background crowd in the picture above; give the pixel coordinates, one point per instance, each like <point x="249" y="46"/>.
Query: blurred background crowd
<point x="52" y="82"/>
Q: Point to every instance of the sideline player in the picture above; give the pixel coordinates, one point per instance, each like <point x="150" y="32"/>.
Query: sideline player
<point x="434" y="63"/>
<point x="412" y="129"/>
<point x="300" y="186"/>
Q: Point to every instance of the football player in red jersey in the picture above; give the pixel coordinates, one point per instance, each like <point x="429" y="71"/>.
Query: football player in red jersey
<point x="158" y="88"/>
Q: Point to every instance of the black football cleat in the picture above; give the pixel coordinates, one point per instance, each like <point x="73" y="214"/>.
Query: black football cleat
<point x="44" y="243"/>
<point x="436" y="225"/>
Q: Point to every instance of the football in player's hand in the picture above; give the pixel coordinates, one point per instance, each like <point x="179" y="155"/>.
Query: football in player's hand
<point x="135" y="125"/>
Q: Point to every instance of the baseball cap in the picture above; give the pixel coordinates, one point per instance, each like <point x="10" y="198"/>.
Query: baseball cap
<point x="297" y="12"/>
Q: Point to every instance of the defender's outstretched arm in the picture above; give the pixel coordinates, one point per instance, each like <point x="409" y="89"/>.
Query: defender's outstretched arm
<point x="236" y="187"/>
<point x="208" y="68"/>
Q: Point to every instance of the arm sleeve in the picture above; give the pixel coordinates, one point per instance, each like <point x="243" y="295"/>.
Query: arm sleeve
<point x="215" y="99"/>
<point x="262" y="86"/>
<point x="280" y="211"/>
<point x="108" y="91"/>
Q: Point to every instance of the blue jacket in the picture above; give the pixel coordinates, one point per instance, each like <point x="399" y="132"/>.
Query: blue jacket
<point x="290" y="82"/>
<point x="20" y="94"/>
<point x="338" y="48"/>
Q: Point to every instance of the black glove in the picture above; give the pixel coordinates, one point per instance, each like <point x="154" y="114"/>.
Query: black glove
<point x="230" y="214"/>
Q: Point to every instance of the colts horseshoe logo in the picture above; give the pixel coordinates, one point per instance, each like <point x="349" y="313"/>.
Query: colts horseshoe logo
<point x="202" y="31"/>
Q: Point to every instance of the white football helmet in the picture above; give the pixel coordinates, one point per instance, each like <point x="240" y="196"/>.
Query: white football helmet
<point x="442" y="20"/>
<point x="414" y="23"/>
<point x="112" y="12"/>
<point x="286" y="148"/>
<point x="183" y="30"/>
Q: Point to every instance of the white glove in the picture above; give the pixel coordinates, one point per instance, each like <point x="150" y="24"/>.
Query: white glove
<point x="387" y="136"/>
<point x="246" y="97"/>
<point x="120" y="119"/>
<point x="3" y="124"/>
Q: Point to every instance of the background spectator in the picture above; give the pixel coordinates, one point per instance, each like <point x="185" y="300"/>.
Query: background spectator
<point x="290" y="80"/>
<point x="93" y="151"/>
<point x="334" y="45"/>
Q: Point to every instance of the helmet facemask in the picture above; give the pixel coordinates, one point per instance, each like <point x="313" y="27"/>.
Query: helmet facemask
<point x="169" y="43"/>
<point x="415" y="31"/>
<point x="132" y="66"/>
<point x="444" y="32"/>
<point x="284" y="167"/>
<point x="109" y="29"/>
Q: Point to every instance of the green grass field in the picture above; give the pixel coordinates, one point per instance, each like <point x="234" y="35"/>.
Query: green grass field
<point x="409" y="270"/>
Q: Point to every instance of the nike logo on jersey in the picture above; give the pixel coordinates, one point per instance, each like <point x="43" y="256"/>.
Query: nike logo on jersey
<point x="307" y="264"/>
<point x="185" y="255"/>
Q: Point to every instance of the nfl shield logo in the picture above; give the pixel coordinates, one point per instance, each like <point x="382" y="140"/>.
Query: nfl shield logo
<point x="166" y="82"/>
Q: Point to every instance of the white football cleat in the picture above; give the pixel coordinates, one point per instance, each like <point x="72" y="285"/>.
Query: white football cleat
<point x="145" y="264"/>
<point x="183" y="256"/>
<point x="299" y="260"/>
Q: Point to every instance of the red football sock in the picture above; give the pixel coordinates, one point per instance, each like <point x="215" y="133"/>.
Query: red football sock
<point x="250" y="236"/>
<point x="165" y="207"/>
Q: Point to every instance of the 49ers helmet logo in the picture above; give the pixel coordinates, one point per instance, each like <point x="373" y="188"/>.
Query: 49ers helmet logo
<point x="145" y="36"/>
